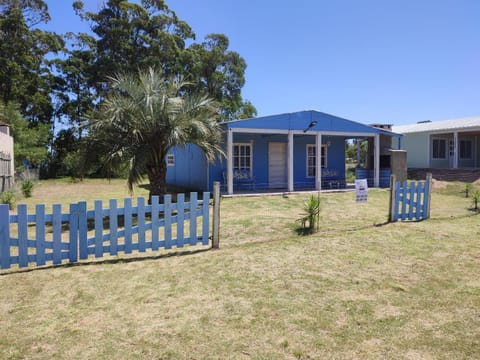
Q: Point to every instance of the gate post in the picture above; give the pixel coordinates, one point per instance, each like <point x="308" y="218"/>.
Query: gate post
<point x="391" y="216"/>
<point x="216" y="215"/>
<point x="428" y="193"/>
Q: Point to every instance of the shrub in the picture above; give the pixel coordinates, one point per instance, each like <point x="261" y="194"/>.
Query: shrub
<point x="468" y="189"/>
<point x="8" y="197"/>
<point x="476" y="200"/>
<point x="311" y="214"/>
<point x="27" y="188"/>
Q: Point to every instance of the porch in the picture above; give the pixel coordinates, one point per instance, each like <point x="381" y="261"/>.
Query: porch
<point x="459" y="174"/>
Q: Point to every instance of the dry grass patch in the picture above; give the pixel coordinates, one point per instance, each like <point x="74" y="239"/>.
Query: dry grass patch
<point x="359" y="288"/>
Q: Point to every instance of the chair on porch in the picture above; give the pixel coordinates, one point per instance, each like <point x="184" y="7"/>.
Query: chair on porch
<point x="242" y="178"/>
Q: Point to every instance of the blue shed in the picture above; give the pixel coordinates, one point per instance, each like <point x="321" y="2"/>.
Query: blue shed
<point x="278" y="152"/>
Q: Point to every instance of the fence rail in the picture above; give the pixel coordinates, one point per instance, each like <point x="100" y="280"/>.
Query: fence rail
<point x="77" y="233"/>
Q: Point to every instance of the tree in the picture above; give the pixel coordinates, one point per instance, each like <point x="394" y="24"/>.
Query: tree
<point x="25" y="77"/>
<point x="148" y="114"/>
<point x="30" y="143"/>
<point x="220" y="72"/>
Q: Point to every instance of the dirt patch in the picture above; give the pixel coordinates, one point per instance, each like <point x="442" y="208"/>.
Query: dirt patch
<point x="438" y="184"/>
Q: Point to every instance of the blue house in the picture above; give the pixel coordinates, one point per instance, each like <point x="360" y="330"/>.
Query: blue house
<point x="278" y="152"/>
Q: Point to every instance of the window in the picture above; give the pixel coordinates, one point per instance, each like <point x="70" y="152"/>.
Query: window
<point x="170" y="160"/>
<point x="242" y="157"/>
<point x="466" y="149"/>
<point x="312" y="159"/>
<point x="439" y="148"/>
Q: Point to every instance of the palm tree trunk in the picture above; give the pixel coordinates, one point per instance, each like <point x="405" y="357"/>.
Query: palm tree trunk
<point x="157" y="175"/>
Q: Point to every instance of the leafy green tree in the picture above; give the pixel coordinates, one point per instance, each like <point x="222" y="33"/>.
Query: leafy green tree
<point x="221" y="73"/>
<point x="30" y="143"/>
<point x="132" y="35"/>
<point x="25" y="77"/>
<point x="147" y="115"/>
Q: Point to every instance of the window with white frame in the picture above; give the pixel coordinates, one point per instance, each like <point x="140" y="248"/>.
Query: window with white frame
<point x="312" y="159"/>
<point x="466" y="149"/>
<point x="242" y="157"/>
<point x="439" y="149"/>
<point x="170" y="160"/>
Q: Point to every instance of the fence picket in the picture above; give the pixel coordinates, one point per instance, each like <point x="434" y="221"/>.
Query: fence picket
<point x="193" y="218"/>
<point x="98" y="218"/>
<point x="4" y="236"/>
<point x="418" y="205"/>
<point x="113" y="224"/>
<point x="167" y="213"/>
<point x="73" y="238"/>
<point x="83" y="229"/>
<point x="180" y="220"/>
<point x="127" y="203"/>
<point x="205" y="218"/>
<point x="22" y="235"/>
<point x="411" y="200"/>
<point x="141" y="224"/>
<point x="57" y="234"/>
<point x="397" y="201"/>
<point x="155" y="227"/>
<point x="40" y="234"/>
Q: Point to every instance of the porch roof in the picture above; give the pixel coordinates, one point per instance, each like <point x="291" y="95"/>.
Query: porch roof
<point x="310" y="120"/>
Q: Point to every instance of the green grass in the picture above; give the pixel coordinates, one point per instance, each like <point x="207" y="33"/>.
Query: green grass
<point x="359" y="288"/>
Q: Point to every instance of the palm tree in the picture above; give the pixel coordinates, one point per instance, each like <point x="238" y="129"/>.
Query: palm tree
<point x="145" y="116"/>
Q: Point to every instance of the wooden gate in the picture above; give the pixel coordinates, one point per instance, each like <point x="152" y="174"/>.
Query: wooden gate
<point x="410" y="200"/>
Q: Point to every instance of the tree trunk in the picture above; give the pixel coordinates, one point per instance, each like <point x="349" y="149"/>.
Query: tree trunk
<point x="157" y="175"/>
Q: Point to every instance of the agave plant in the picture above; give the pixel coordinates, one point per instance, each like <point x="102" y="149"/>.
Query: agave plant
<point x="311" y="214"/>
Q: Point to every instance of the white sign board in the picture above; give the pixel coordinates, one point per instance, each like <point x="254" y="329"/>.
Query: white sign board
<point x="361" y="190"/>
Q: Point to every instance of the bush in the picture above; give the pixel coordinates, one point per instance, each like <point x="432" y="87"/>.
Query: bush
<point x="311" y="214"/>
<point x="8" y="197"/>
<point x="27" y="188"/>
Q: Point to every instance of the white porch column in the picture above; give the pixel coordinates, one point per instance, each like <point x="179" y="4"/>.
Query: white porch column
<point x="230" y="161"/>
<point x="455" y="150"/>
<point x="376" y="160"/>
<point x="290" y="161"/>
<point x="318" y="161"/>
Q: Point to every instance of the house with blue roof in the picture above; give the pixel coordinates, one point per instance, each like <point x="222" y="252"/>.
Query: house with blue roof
<point x="288" y="152"/>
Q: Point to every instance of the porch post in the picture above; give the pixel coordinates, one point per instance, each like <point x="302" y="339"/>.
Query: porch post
<point x="359" y="148"/>
<point x="230" y="161"/>
<point x="376" y="161"/>
<point x="455" y="149"/>
<point x="290" y="161"/>
<point x="318" y="161"/>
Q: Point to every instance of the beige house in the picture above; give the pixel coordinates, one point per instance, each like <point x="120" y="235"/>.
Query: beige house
<point x="6" y="157"/>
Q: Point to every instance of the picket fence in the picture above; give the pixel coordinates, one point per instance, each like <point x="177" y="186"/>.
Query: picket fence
<point x="73" y="235"/>
<point x="410" y="200"/>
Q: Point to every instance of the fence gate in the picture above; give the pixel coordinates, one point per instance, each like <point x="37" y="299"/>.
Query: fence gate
<point x="410" y="200"/>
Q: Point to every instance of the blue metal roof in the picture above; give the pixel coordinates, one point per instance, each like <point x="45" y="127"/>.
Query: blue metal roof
<point x="302" y="120"/>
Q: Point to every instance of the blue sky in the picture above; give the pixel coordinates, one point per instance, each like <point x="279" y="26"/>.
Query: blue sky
<point x="372" y="61"/>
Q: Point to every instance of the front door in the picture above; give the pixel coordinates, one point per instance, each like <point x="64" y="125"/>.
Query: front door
<point x="277" y="165"/>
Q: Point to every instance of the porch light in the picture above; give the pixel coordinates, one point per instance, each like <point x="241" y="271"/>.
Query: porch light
<point x="312" y="124"/>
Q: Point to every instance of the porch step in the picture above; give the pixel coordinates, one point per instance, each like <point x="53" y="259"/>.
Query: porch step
<point x="463" y="175"/>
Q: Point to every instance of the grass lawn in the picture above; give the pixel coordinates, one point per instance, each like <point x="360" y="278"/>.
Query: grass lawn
<point x="358" y="289"/>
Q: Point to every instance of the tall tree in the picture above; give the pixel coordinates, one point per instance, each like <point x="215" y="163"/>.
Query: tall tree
<point x="146" y="116"/>
<point x="30" y="143"/>
<point x="132" y="35"/>
<point x="25" y="77"/>
<point x="221" y="72"/>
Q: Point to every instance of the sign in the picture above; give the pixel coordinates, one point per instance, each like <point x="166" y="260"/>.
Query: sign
<point x="361" y="190"/>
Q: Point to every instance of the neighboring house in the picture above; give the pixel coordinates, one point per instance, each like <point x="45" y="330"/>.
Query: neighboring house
<point x="448" y="144"/>
<point x="277" y="152"/>
<point x="6" y="157"/>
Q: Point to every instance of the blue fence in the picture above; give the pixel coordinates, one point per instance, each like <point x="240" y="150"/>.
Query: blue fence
<point x="410" y="200"/>
<point x="75" y="234"/>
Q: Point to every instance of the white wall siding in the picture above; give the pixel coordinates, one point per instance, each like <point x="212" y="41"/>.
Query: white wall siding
<point x="418" y="150"/>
